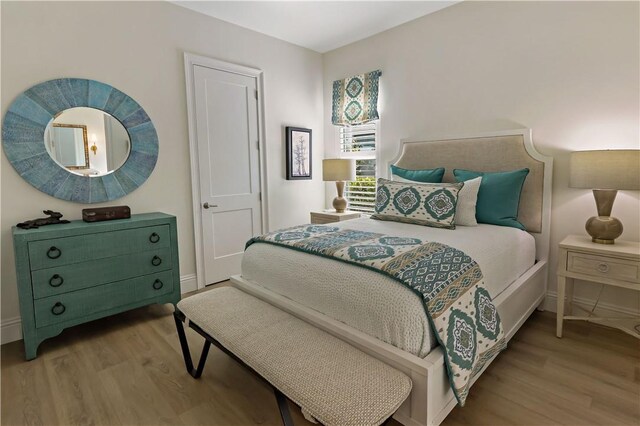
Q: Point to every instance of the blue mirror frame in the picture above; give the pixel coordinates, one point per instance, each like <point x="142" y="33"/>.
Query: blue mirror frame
<point x="23" y="139"/>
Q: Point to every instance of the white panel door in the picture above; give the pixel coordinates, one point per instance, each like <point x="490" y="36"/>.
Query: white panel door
<point x="228" y="151"/>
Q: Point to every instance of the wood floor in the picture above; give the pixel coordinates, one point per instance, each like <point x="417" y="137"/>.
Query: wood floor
<point x="127" y="369"/>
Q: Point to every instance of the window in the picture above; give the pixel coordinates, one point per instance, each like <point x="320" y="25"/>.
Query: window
<point x="359" y="142"/>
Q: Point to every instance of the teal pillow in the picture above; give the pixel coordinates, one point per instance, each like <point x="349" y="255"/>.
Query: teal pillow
<point x="424" y="175"/>
<point x="498" y="196"/>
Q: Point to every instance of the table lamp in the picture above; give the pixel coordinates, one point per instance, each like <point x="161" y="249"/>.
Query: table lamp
<point x="339" y="170"/>
<point x="605" y="172"/>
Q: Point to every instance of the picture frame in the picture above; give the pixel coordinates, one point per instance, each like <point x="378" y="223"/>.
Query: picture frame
<point x="299" y="153"/>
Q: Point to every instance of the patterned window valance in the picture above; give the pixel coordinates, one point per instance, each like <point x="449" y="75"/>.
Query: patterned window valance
<point x="355" y="99"/>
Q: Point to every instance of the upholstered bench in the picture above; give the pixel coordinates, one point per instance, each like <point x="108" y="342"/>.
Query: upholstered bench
<point x="329" y="379"/>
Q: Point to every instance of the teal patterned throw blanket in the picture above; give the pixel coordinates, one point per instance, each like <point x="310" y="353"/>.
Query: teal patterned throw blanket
<point x="449" y="282"/>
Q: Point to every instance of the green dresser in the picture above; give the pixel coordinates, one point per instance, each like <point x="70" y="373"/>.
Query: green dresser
<point x="77" y="272"/>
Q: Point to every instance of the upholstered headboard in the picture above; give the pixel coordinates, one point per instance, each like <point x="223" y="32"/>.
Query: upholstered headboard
<point x="490" y="152"/>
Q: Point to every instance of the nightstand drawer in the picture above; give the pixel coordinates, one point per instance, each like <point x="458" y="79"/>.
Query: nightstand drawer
<point x="603" y="266"/>
<point x="64" y="251"/>
<point x="66" y="278"/>
<point x="319" y="218"/>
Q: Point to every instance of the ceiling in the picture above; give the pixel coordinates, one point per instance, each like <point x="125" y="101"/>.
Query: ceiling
<point x="318" y="25"/>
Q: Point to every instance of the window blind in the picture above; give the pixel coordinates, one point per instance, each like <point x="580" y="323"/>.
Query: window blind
<point x="360" y="138"/>
<point x="359" y="142"/>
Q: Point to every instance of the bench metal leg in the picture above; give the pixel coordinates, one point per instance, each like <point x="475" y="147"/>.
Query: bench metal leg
<point x="387" y="422"/>
<point x="283" y="406"/>
<point x="195" y="373"/>
<point x="179" y="317"/>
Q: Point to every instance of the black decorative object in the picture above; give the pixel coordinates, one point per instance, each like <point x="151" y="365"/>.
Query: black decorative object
<point x="54" y="218"/>
<point x="299" y="146"/>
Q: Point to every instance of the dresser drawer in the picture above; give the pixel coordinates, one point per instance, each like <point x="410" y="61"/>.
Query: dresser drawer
<point x="66" y="278"/>
<point x="154" y="285"/>
<point x="77" y="304"/>
<point x="68" y="250"/>
<point x="603" y="266"/>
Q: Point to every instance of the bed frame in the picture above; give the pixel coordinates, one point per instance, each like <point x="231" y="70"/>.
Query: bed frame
<point x="432" y="399"/>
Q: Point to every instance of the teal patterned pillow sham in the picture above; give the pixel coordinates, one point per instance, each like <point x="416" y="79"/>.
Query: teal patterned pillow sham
<point x="428" y="204"/>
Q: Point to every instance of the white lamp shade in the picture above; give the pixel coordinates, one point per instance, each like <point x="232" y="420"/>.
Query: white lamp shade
<point x="605" y="169"/>
<point x="338" y="169"/>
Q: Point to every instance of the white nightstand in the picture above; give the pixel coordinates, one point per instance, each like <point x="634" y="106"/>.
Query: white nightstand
<point x="331" y="216"/>
<point x="616" y="265"/>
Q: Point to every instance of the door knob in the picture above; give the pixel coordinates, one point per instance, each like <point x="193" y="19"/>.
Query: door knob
<point x="207" y="205"/>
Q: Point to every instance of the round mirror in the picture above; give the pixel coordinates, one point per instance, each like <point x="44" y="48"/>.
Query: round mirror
<point x="87" y="141"/>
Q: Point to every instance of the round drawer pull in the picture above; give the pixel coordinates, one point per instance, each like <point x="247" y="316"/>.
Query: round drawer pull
<point x="156" y="261"/>
<point x="154" y="238"/>
<point x="603" y="267"/>
<point x="157" y="284"/>
<point x="58" y="309"/>
<point x="54" y="252"/>
<point x="56" y="281"/>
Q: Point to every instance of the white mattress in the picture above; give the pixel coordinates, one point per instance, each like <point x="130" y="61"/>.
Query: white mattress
<point x="374" y="303"/>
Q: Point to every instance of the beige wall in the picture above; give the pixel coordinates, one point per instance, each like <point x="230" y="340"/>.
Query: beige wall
<point x="567" y="70"/>
<point x="138" y="48"/>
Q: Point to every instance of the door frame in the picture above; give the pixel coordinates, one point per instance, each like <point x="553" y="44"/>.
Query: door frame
<point x="191" y="60"/>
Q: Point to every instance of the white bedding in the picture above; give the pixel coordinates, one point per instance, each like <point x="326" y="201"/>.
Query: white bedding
<point x="374" y="303"/>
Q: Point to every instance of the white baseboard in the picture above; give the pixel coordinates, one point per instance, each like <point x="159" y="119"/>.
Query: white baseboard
<point x="11" y="328"/>
<point x="188" y="283"/>
<point x="604" y="309"/>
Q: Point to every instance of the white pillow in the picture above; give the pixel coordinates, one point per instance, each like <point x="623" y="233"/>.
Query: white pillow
<point x="467" y="198"/>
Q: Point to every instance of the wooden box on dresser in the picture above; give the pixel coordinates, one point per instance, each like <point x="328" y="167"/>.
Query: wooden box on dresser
<point x="77" y="272"/>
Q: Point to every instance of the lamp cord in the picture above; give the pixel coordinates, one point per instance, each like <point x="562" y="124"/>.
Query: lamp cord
<point x="635" y="327"/>
<point x="597" y="300"/>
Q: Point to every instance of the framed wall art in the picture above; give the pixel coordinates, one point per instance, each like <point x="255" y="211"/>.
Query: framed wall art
<point x="299" y="166"/>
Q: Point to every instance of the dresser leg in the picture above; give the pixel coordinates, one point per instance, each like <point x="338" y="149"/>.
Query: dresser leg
<point x="30" y="349"/>
<point x="31" y="343"/>
<point x="560" y="305"/>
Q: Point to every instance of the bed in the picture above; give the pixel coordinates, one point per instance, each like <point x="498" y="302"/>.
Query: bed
<point x="385" y="319"/>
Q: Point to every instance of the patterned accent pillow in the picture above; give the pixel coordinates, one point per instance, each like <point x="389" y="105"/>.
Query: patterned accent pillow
<point x="428" y="204"/>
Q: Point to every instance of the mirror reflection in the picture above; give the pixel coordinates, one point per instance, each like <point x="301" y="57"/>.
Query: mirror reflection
<point x="68" y="142"/>
<point x="87" y="141"/>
